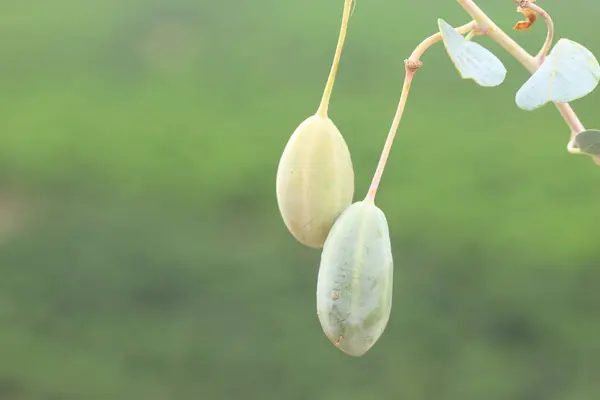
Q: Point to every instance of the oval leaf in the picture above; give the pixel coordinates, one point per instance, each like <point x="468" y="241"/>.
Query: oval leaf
<point x="355" y="280"/>
<point x="568" y="73"/>
<point x="472" y="60"/>
<point x="588" y="142"/>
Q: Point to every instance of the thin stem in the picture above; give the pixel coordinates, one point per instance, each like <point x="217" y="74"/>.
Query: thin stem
<point x="410" y="73"/>
<point x="488" y="26"/>
<point x="436" y="37"/>
<point x="471" y="35"/>
<point x="572" y="149"/>
<point x="549" y="23"/>
<point x="324" y="106"/>
<point x="412" y="64"/>
<point x="527" y="60"/>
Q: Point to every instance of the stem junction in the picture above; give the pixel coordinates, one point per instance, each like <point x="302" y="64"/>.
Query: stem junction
<point x="514" y="49"/>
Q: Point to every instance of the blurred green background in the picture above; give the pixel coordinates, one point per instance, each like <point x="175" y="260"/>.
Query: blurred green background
<point x="142" y="254"/>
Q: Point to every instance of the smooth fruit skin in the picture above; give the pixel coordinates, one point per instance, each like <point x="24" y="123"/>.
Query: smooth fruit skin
<point x="355" y="280"/>
<point x="315" y="180"/>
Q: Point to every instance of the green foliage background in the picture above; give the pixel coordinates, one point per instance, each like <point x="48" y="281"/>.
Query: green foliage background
<point x="142" y="255"/>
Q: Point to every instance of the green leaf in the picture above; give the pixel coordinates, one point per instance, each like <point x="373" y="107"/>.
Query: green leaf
<point x="472" y="60"/>
<point x="568" y="73"/>
<point x="588" y="142"/>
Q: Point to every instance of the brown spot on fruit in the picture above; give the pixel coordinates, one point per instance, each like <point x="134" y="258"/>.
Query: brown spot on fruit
<point x="338" y="341"/>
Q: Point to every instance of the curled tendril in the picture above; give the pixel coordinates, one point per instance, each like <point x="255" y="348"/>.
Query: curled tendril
<point x="530" y="16"/>
<point x="353" y="7"/>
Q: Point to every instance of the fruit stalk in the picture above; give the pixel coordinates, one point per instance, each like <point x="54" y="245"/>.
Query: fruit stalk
<point x="324" y="106"/>
<point x="411" y="65"/>
<point x="410" y="73"/>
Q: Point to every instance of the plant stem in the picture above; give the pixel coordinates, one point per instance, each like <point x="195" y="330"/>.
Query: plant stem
<point x="527" y="60"/>
<point x="412" y="64"/>
<point x="471" y="35"/>
<point x="492" y="30"/>
<point x="410" y="73"/>
<point x="324" y="106"/>
<point x="549" y="36"/>
<point x="436" y="37"/>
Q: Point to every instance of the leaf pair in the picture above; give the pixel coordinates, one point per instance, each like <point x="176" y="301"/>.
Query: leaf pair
<point x="568" y="73"/>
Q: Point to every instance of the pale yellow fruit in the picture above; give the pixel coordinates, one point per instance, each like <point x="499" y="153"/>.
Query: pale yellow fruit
<point x="315" y="180"/>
